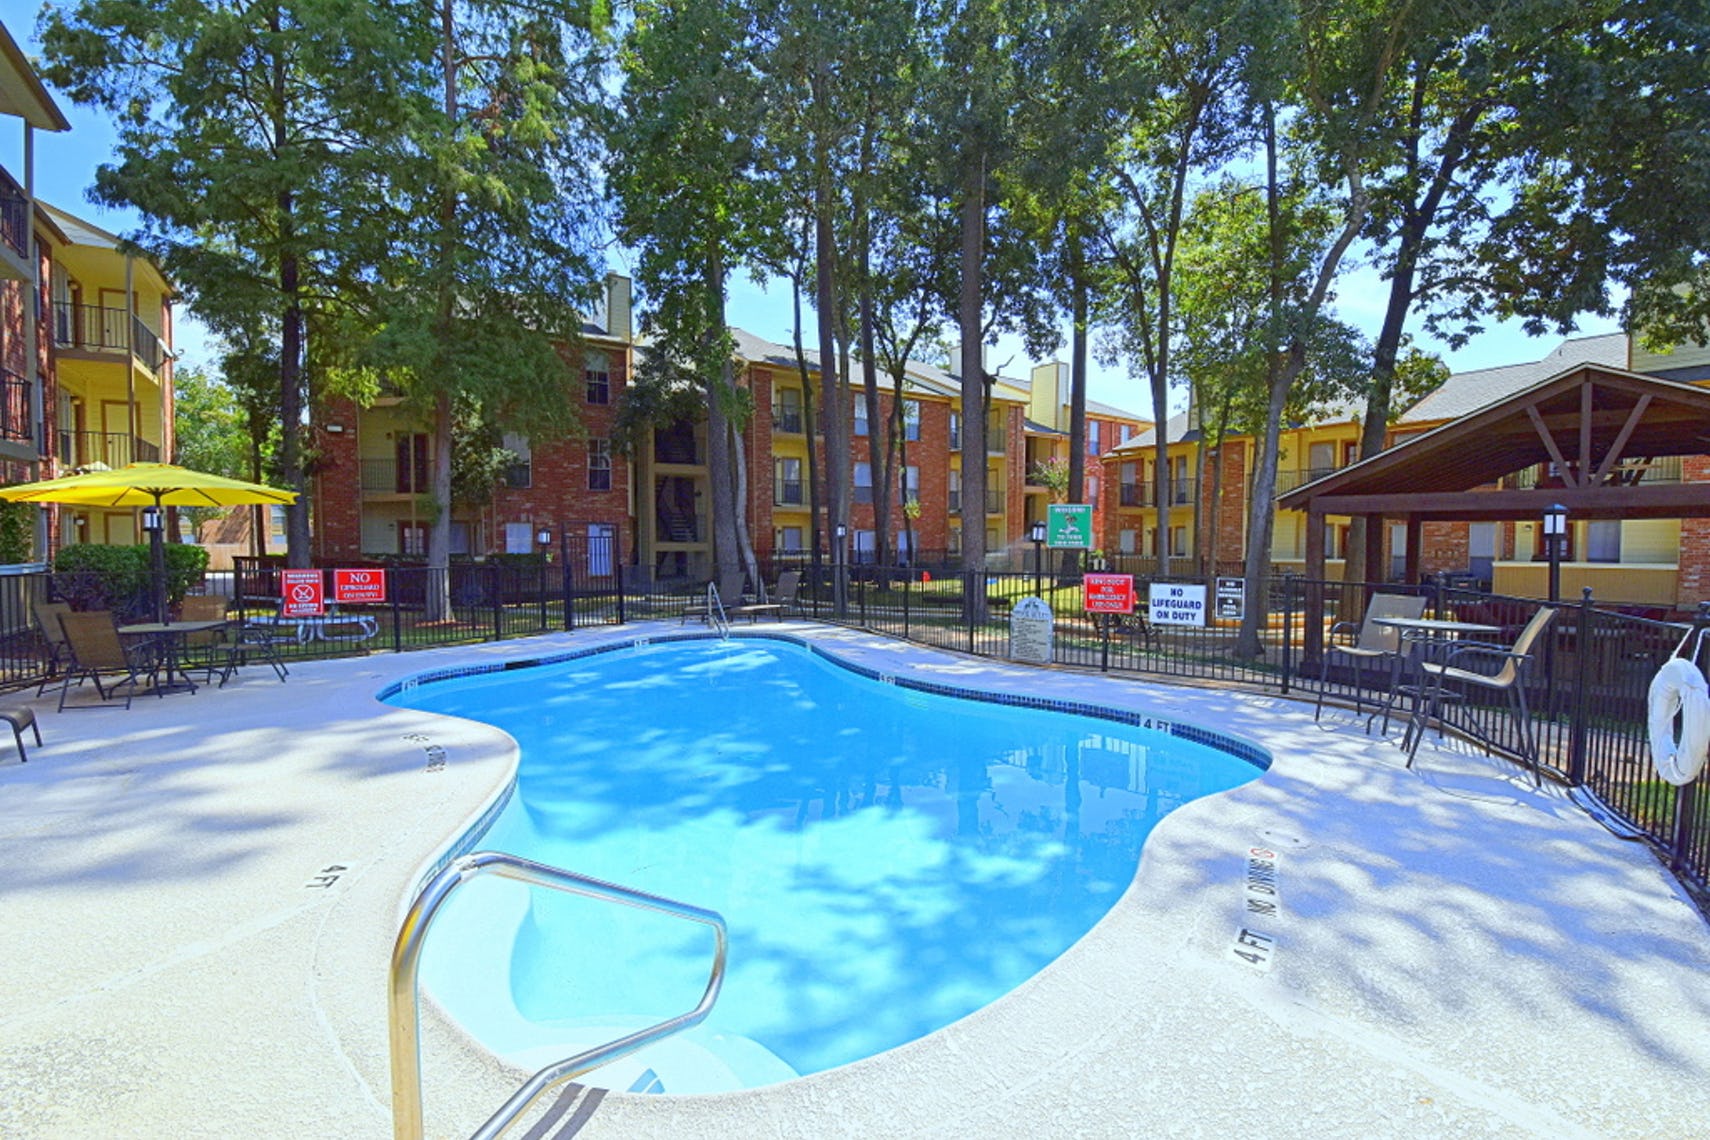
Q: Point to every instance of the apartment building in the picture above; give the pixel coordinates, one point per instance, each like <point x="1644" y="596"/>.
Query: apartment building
<point x="370" y="493"/>
<point x="85" y="335"/>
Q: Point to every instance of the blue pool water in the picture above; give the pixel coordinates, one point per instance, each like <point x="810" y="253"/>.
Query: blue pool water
<point x="888" y="860"/>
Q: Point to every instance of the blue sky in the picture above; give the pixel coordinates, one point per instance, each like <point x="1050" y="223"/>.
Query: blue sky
<point x="66" y="164"/>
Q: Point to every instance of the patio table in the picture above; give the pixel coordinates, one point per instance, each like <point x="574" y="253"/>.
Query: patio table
<point x="169" y="636"/>
<point x="1422" y="636"/>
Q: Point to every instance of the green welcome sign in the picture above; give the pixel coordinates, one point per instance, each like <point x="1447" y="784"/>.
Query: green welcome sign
<point x="1069" y="526"/>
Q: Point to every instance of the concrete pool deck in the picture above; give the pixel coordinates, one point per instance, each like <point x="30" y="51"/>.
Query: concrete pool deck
<point x="200" y="897"/>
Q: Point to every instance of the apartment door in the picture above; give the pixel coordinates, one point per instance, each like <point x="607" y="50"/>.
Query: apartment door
<point x="115" y="319"/>
<point x="1481" y="550"/>
<point x="115" y="448"/>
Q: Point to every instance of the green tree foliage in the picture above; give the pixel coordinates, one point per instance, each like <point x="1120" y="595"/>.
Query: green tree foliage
<point x="489" y="251"/>
<point x="685" y="152"/>
<point x="246" y="141"/>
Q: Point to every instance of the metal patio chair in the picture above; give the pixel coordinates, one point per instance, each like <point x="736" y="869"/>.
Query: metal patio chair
<point x="94" y="649"/>
<point x="1460" y="666"/>
<point x="1371" y="642"/>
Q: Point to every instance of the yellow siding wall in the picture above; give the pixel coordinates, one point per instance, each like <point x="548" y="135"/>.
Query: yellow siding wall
<point x="1650" y="540"/>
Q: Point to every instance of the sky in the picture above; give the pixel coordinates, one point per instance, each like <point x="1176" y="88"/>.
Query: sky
<point x="66" y="163"/>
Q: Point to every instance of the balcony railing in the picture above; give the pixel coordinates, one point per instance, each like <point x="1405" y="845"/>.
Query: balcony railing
<point x="786" y="419"/>
<point x="389" y="477"/>
<point x="1665" y="469"/>
<point x="994" y="502"/>
<point x="14" y="217"/>
<point x="1301" y="476"/>
<point x="94" y="328"/>
<point x="14" y="407"/>
<point x="115" y="449"/>
<point x="997" y="441"/>
<point x="955" y="502"/>
<point x="787" y="494"/>
<point x="1181" y="492"/>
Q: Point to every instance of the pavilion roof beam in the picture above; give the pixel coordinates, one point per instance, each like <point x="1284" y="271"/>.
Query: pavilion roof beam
<point x="1615" y="449"/>
<point x="1543" y="431"/>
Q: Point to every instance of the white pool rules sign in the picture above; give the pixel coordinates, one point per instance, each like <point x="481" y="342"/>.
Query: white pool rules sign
<point x="1176" y="603"/>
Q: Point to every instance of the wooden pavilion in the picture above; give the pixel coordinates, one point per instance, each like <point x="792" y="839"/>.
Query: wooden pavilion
<point x="1598" y="428"/>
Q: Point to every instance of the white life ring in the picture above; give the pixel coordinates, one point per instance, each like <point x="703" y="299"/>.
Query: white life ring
<point x="1679" y="687"/>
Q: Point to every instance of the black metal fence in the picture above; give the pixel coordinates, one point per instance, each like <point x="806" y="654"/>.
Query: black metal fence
<point x="1587" y="682"/>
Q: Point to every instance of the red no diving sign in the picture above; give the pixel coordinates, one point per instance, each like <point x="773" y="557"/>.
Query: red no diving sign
<point x="301" y="593"/>
<point x="359" y="585"/>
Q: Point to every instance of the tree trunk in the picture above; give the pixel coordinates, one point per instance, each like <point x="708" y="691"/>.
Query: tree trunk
<point x="290" y="339"/>
<point x="816" y="495"/>
<point x="832" y="403"/>
<point x="968" y="314"/>
<point x="721" y="476"/>
<point x="438" y="602"/>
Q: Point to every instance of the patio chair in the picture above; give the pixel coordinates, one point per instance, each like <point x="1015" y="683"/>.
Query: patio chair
<point x="47" y="620"/>
<point x="1370" y="642"/>
<point x="1459" y="666"/>
<point x="93" y="648"/>
<point x="729" y="598"/>
<point x="213" y="650"/>
<point x="788" y="583"/>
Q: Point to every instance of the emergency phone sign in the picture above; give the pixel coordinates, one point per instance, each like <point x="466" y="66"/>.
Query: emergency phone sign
<point x="359" y="585"/>
<point x="1108" y="593"/>
<point x="301" y="593"/>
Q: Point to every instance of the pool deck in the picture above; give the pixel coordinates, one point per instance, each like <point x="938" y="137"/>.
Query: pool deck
<point x="200" y="897"/>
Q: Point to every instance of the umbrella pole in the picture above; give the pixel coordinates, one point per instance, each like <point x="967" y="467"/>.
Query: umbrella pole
<point x="157" y="559"/>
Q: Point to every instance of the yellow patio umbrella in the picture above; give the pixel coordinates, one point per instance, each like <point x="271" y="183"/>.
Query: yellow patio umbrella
<point x="147" y="485"/>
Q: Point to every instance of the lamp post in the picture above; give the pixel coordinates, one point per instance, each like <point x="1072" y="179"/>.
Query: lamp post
<point x="839" y="571"/>
<point x="1036" y="535"/>
<point x="1555" y="538"/>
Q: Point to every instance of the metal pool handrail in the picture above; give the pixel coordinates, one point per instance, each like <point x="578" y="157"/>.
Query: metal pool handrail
<point x="715" y="611"/>
<point x="406" y="962"/>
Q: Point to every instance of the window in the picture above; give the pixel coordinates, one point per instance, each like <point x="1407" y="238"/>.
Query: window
<point x="787" y="410"/>
<point x="519" y="473"/>
<point x="1603" y="540"/>
<point x="955" y="431"/>
<point x="519" y="538"/>
<point x="992" y="542"/>
<point x="1125" y="541"/>
<point x="787" y="540"/>
<point x="787" y="490"/>
<point x="911" y="420"/>
<point x="954" y="542"/>
<point x="860" y="415"/>
<point x="1178" y="542"/>
<point x="598" y="377"/>
<point x="412" y="538"/>
<point x="1125" y="432"/>
<point x="911" y="484"/>
<point x="599" y="465"/>
<point x="863" y="483"/>
<point x="955" y="493"/>
<point x="1181" y="485"/>
<point x="1320" y="460"/>
<point x="866" y="547"/>
<point x="1092" y="491"/>
<point x="1092" y="437"/>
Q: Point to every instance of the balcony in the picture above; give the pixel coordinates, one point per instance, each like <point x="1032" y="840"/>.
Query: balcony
<point x="1665" y="469"/>
<point x="787" y="494"/>
<point x="15" y="425"/>
<point x="994" y="502"/>
<point x="997" y="441"/>
<point x="955" y="502"/>
<point x="676" y="444"/>
<point x="92" y="328"/>
<point x="786" y="419"/>
<point x="114" y="449"/>
<point x="1181" y="493"/>
<point x="389" y="477"/>
<point x="14" y="217"/>
<point x="1301" y="476"/>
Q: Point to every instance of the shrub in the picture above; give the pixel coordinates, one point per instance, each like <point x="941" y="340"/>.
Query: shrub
<point x="117" y="578"/>
<point x="17" y="532"/>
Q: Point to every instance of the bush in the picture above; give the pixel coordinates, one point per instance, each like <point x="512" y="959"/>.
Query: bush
<point x="17" y="532"/>
<point x="117" y="578"/>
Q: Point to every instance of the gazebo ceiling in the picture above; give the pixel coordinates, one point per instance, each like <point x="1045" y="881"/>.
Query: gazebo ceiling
<point x="1588" y="421"/>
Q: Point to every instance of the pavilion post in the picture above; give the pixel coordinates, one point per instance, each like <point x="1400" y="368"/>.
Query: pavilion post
<point x="1312" y="643"/>
<point x="1415" y="543"/>
<point x="1374" y="550"/>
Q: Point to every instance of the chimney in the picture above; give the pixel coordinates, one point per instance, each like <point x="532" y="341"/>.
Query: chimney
<point x="617" y="316"/>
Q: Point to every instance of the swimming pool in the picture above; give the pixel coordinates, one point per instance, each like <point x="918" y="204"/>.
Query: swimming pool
<point x="888" y="859"/>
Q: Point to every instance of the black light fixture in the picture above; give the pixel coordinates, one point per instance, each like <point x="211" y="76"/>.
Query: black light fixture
<point x="1036" y="535"/>
<point x="1555" y="541"/>
<point x="151" y="520"/>
<point x="544" y="537"/>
